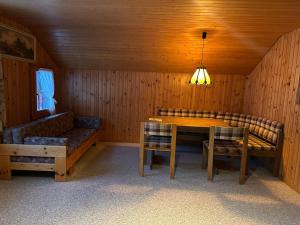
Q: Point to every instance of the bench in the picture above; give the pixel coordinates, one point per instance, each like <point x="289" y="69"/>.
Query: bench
<point x="265" y="136"/>
<point x="54" y="143"/>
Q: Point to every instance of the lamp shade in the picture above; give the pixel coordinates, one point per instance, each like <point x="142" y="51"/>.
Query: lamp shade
<point x="200" y="77"/>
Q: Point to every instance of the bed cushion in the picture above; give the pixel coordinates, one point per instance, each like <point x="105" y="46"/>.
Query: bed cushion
<point x="76" y="137"/>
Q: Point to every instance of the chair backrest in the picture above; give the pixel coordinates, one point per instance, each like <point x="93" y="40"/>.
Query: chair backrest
<point x="157" y="129"/>
<point x="229" y="133"/>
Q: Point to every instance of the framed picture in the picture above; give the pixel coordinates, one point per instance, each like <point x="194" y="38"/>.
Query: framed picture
<point x="17" y="44"/>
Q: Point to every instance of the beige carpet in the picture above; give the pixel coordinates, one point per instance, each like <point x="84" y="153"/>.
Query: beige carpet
<point x="106" y="189"/>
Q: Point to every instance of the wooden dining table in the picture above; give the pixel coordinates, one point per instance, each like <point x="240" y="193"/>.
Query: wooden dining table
<point x="189" y="124"/>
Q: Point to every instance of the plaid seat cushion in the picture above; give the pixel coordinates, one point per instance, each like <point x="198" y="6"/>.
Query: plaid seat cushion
<point x="157" y="142"/>
<point x="224" y="146"/>
<point x="256" y="143"/>
<point x="158" y="129"/>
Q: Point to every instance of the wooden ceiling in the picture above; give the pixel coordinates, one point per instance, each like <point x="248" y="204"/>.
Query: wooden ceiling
<point x="156" y="35"/>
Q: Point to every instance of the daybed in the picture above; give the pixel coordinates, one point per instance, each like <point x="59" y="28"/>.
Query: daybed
<point x="54" y="143"/>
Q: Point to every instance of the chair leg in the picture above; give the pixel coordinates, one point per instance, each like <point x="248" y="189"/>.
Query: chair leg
<point x="210" y="165"/>
<point x="5" y="171"/>
<point x="204" y="158"/>
<point x="141" y="161"/>
<point x="149" y="158"/>
<point x="243" y="167"/>
<point x="172" y="163"/>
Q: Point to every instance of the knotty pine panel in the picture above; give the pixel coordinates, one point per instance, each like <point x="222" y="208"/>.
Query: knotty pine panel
<point x="271" y="91"/>
<point x="124" y="99"/>
<point x="17" y="80"/>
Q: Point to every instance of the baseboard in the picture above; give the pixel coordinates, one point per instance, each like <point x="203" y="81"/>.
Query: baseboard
<point x="123" y="144"/>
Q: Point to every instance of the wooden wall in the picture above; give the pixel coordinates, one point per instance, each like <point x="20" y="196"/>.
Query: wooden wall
<point x="123" y="99"/>
<point x="17" y="81"/>
<point x="271" y="92"/>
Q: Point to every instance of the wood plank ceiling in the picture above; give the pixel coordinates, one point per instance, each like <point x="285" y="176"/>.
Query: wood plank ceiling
<point x="159" y="36"/>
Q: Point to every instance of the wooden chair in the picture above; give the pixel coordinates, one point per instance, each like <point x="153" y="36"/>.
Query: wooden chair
<point x="227" y="141"/>
<point x="155" y="136"/>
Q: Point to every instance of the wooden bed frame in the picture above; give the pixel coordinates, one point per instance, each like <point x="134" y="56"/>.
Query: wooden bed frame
<point x="63" y="165"/>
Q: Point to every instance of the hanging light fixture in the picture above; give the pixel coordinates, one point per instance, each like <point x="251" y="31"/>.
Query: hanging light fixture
<point x="201" y="77"/>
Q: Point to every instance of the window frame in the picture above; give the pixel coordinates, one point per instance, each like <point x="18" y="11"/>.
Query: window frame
<point x="35" y="113"/>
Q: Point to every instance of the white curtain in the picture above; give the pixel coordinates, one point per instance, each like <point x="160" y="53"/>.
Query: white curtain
<point x="45" y="89"/>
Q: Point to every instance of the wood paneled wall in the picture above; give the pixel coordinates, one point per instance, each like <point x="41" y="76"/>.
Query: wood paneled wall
<point x="124" y="99"/>
<point x="271" y="92"/>
<point x="17" y="81"/>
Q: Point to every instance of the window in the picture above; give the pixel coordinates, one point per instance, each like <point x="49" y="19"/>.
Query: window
<point x="45" y="90"/>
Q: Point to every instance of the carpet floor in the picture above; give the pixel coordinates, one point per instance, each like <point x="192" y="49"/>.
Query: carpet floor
<point x="106" y="189"/>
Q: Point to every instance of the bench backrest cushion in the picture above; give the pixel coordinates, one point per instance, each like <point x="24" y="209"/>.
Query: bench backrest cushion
<point x="268" y="129"/>
<point x="186" y="113"/>
<point x="50" y="126"/>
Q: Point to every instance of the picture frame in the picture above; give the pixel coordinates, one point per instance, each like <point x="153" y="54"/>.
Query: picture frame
<point x="17" y="44"/>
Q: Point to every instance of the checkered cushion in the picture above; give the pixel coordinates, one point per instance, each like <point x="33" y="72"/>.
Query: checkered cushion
<point x="256" y="143"/>
<point x="234" y="119"/>
<point x="225" y="147"/>
<point x="252" y="123"/>
<point x="166" y="112"/>
<point x="177" y="112"/>
<point x="227" y="117"/>
<point x="192" y="113"/>
<point x="220" y="116"/>
<point x="267" y="129"/>
<point x="155" y="128"/>
<point x="157" y="141"/>
<point x="186" y="113"/>
<point x="240" y="120"/>
<point x="229" y="133"/>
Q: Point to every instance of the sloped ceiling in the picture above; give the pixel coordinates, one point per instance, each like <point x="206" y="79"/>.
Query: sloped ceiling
<point x="156" y="35"/>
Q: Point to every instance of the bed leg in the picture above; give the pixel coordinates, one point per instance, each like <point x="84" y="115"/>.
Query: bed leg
<point x="60" y="169"/>
<point x="5" y="171"/>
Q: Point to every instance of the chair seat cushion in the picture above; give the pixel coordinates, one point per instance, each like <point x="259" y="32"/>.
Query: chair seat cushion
<point x="256" y="143"/>
<point x="225" y="146"/>
<point x="157" y="141"/>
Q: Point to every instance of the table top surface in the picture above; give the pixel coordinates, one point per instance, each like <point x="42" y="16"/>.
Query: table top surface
<point x="189" y="122"/>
